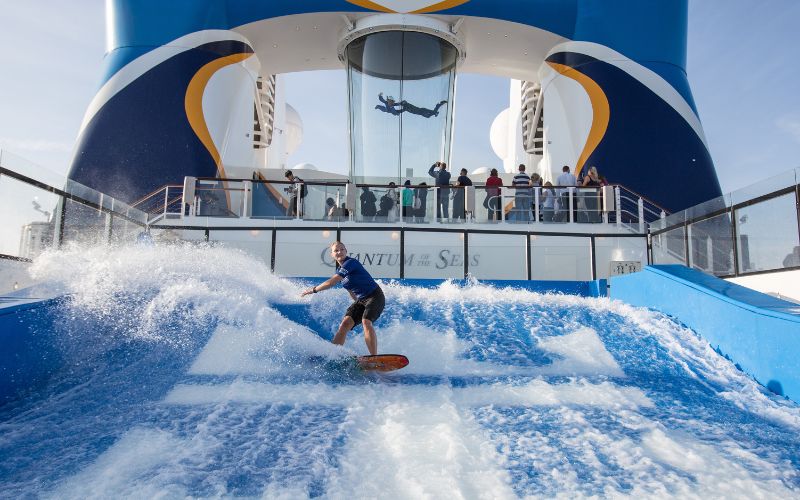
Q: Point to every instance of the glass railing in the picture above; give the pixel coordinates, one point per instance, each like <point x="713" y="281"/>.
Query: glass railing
<point x="751" y="230"/>
<point x="42" y="209"/>
<point x="406" y="204"/>
<point x="403" y="236"/>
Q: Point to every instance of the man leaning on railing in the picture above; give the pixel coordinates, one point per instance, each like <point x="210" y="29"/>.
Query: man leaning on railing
<point x="297" y="191"/>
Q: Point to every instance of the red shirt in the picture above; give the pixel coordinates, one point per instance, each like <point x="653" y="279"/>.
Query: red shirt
<point x="493" y="182"/>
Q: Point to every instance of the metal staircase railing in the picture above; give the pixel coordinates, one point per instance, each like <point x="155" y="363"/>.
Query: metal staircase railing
<point x="163" y="203"/>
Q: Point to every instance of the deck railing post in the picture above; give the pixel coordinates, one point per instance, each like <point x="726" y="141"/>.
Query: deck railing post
<point x="571" y="203"/>
<point x="299" y="203"/>
<point x="640" y="205"/>
<point x="436" y="208"/>
<point x="501" y="204"/>
<point x="166" y="201"/>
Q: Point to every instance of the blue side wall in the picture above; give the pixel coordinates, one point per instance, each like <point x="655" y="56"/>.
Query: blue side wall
<point x="28" y="348"/>
<point x="760" y="333"/>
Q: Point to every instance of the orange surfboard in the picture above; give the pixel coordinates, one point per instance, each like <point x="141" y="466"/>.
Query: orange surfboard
<point x="382" y="362"/>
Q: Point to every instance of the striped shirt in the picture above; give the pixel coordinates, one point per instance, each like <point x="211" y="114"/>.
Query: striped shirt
<point x="521" y="180"/>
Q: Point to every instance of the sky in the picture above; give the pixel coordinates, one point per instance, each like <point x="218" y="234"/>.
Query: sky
<point x="742" y="68"/>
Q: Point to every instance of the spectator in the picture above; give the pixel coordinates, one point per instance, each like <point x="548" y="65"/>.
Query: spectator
<point x="592" y="196"/>
<point x="421" y="194"/>
<point x="536" y="182"/>
<point x="392" y="194"/>
<point x="548" y="202"/>
<point x="564" y="180"/>
<point x="522" y="195"/>
<point x="297" y="191"/>
<point x="492" y="201"/>
<point x="442" y="183"/>
<point x="369" y="207"/>
<point x="459" y="195"/>
<point x="332" y="212"/>
<point x="407" y="201"/>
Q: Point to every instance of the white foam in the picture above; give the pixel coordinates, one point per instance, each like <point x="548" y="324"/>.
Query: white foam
<point x="581" y="353"/>
<point x="441" y="352"/>
<point x="700" y="362"/>
<point x="412" y="440"/>
<point x="577" y="459"/>
<point x="272" y="344"/>
<point x="732" y="473"/>
<point x="416" y="449"/>
<point x="534" y="393"/>
<point x="129" y="469"/>
<point x="218" y="283"/>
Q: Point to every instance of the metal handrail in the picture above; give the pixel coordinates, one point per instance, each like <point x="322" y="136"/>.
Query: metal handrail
<point x="632" y="211"/>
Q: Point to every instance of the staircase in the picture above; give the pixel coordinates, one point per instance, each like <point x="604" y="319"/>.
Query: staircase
<point x="264" y="112"/>
<point x="532" y="118"/>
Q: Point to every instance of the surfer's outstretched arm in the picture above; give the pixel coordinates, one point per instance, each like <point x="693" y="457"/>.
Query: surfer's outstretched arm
<point x="329" y="283"/>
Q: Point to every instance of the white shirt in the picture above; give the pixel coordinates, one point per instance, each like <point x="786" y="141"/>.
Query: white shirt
<point x="566" y="179"/>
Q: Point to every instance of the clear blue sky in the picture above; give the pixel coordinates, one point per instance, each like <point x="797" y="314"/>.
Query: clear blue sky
<point x="742" y="68"/>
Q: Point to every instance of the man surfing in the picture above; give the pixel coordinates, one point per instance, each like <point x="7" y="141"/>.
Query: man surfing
<point x="367" y="295"/>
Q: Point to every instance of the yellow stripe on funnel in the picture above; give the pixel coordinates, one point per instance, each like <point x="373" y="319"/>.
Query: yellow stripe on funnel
<point x="600" y="110"/>
<point x="193" y="102"/>
<point x="443" y="5"/>
<point x="367" y="4"/>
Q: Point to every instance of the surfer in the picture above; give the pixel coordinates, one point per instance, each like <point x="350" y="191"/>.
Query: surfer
<point x="367" y="295"/>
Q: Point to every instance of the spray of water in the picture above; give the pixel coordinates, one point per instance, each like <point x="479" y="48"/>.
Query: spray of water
<point x="509" y="394"/>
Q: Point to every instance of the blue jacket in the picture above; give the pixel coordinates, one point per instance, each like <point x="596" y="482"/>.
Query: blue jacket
<point x="442" y="176"/>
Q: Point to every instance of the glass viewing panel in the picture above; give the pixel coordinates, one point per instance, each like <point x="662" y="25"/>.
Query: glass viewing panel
<point x="304" y="253"/>
<point x="767" y="235"/>
<point x="669" y="247"/>
<point x="711" y="246"/>
<point x="434" y="255"/>
<point x="256" y="242"/>
<point x="498" y="256"/>
<point x="609" y="249"/>
<point x="28" y="218"/>
<point x="83" y="224"/>
<point x="401" y="87"/>
<point x="561" y="258"/>
<point x="378" y="251"/>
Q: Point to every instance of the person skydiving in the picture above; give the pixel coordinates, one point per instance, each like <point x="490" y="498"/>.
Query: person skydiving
<point x="424" y="112"/>
<point x="395" y="108"/>
<point x="389" y="105"/>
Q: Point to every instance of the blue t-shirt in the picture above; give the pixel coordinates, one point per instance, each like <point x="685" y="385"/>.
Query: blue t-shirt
<point x="356" y="279"/>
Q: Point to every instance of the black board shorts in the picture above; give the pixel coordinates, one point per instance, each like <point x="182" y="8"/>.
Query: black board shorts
<point x="369" y="307"/>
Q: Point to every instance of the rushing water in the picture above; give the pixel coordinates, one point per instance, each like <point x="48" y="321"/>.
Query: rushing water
<point x="191" y="372"/>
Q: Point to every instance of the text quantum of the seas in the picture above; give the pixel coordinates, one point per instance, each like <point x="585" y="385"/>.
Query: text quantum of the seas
<point x="438" y="259"/>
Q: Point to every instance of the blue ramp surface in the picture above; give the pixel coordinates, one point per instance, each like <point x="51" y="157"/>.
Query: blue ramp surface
<point x="760" y="333"/>
<point x="212" y="378"/>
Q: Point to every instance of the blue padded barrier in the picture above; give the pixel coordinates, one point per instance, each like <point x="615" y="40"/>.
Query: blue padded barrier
<point x="28" y="350"/>
<point x="758" y="332"/>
